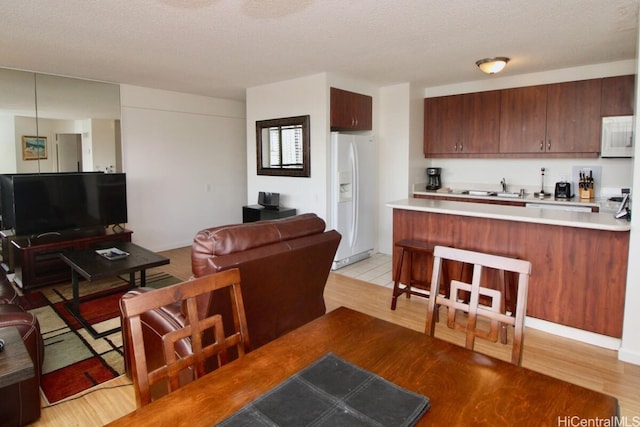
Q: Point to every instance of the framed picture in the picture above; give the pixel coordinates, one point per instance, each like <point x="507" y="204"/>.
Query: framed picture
<point x="34" y="147"/>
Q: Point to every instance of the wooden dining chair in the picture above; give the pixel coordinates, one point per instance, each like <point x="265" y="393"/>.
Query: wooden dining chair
<point x="193" y="330"/>
<point x="475" y="304"/>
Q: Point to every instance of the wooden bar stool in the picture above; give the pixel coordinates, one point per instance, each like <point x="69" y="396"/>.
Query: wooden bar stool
<point x="411" y="247"/>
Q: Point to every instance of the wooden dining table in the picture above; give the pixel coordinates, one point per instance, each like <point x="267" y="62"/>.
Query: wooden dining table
<point x="464" y="387"/>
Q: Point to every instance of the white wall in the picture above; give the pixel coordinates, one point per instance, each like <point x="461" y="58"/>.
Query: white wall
<point x="184" y="156"/>
<point x="7" y="144"/>
<point x="103" y="145"/>
<point x="525" y="173"/>
<point x="394" y="156"/>
<point x="297" y="97"/>
<point x="630" y="349"/>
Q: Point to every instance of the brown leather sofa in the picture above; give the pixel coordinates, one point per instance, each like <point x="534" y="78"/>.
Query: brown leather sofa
<point x="20" y="402"/>
<point x="284" y="265"/>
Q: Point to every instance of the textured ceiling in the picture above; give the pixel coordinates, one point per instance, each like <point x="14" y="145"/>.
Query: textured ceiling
<point x="220" y="47"/>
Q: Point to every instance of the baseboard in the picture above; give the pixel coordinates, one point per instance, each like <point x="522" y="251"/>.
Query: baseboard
<point x="337" y="264"/>
<point x="587" y="337"/>
<point x="629" y="356"/>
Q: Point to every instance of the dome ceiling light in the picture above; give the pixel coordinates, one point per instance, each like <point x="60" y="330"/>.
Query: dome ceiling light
<point x="492" y="65"/>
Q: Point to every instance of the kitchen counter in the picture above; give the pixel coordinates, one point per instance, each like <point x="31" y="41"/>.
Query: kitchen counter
<point x="591" y="220"/>
<point x="579" y="259"/>
<point x="602" y="204"/>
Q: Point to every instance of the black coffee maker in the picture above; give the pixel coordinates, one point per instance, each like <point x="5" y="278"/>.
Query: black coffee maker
<point x="433" y="179"/>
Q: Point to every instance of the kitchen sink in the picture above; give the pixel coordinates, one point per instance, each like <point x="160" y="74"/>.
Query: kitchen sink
<point x="481" y="193"/>
<point x="489" y="193"/>
<point x="508" y="194"/>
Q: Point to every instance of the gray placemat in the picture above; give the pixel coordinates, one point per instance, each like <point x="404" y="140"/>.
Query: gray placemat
<point x="333" y="392"/>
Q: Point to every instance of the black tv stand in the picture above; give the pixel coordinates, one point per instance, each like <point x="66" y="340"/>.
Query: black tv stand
<point x="253" y="213"/>
<point x="38" y="263"/>
<point x="76" y="233"/>
<point x="50" y="233"/>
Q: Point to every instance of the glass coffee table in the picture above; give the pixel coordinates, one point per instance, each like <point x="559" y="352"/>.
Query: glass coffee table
<point x="93" y="266"/>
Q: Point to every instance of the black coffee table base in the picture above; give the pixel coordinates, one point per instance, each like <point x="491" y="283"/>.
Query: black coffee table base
<point x="92" y="266"/>
<point x="74" y="305"/>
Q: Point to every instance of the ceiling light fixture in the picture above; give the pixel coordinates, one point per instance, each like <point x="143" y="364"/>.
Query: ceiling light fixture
<point x="492" y="65"/>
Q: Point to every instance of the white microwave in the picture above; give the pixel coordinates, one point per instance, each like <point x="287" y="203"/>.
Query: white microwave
<point x="617" y="136"/>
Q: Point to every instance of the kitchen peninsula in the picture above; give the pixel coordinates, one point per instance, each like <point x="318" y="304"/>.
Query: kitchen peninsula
<point x="579" y="259"/>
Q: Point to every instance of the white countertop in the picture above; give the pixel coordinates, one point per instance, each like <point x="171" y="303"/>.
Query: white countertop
<point x="595" y="220"/>
<point x="529" y="198"/>
<point x="602" y="203"/>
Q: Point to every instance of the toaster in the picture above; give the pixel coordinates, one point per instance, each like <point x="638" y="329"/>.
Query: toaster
<point x="563" y="190"/>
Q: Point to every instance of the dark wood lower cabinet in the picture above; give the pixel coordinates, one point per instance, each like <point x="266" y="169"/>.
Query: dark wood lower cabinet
<point x="38" y="261"/>
<point x="578" y="276"/>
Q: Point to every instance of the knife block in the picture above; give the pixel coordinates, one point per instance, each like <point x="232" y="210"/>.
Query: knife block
<point x="587" y="193"/>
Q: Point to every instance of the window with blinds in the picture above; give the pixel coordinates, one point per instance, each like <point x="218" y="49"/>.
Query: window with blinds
<point x="286" y="146"/>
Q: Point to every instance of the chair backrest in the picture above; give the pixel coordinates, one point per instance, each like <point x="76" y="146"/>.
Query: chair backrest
<point x="185" y="293"/>
<point x="477" y="290"/>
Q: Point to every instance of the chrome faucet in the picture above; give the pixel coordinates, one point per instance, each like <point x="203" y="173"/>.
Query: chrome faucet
<point x="504" y="185"/>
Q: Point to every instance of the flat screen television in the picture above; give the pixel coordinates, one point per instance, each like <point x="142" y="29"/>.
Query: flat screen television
<point x="6" y="200"/>
<point x="6" y="196"/>
<point x="74" y="201"/>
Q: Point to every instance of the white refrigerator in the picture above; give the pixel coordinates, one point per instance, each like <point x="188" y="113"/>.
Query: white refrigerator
<point x="353" y="195"/>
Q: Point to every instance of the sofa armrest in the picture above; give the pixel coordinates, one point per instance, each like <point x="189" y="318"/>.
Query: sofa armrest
<point x="20" y="403"/>
<point x="29" y="329"/>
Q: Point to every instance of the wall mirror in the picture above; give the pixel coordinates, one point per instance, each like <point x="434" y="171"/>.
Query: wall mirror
<point x="283" y="146"/>
<point x="58" y="124"/>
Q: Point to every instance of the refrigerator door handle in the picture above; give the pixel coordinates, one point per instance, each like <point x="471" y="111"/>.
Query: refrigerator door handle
<point x="356" y="194"/>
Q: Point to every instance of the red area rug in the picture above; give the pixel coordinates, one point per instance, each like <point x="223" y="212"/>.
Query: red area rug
<point x="75" y="361"/>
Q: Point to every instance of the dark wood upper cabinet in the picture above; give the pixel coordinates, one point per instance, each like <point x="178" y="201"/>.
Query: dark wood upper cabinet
<point x="523" y="117"/>
<point x="442" y="119"/>
<point x="554" y="120"/>
<point x="350" y="110"/>
<point x="617" y="96"/>
<point x="573" y="117"/>
<point x="481" y="122"/>
<point x="462" y="124"/>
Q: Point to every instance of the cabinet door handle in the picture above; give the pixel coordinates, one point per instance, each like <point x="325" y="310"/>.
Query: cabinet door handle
<point x="541" y="146"/>
<point x="549" y="146"/>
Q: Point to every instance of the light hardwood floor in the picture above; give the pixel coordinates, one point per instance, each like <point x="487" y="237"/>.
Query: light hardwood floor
<point x="582" y="364"/>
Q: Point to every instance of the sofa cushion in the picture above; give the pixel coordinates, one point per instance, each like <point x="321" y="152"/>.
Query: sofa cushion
<point x="228" y="239"/>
